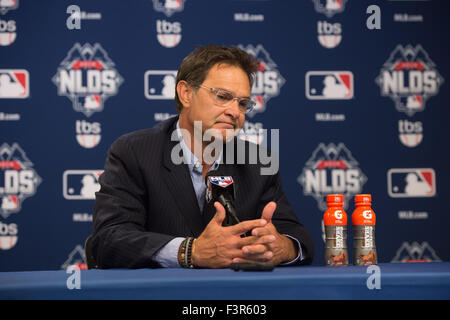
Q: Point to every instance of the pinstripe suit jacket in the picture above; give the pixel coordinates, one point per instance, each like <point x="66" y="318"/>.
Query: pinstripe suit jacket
<point x="145" y="200"/>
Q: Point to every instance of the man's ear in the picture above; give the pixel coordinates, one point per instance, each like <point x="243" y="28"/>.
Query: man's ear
<point x="184" y="91"/>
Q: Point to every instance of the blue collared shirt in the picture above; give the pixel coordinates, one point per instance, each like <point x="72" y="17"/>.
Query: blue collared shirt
<point x="167" y="256"/>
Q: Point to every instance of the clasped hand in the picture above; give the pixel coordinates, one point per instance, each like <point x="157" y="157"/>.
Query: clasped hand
<point x="219" y="246"/>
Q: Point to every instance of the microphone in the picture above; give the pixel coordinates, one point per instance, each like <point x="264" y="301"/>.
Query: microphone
<point x="221" y="188"/>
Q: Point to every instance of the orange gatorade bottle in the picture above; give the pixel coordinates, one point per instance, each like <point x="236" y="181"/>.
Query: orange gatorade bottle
<point x="335" y="222"/>
<point x="363" y="220"/>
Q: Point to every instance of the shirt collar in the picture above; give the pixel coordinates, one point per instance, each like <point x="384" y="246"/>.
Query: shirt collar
<point x="189" y="158"/>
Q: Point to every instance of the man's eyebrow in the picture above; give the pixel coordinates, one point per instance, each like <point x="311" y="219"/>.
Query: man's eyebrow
<point x="223" y="89"/>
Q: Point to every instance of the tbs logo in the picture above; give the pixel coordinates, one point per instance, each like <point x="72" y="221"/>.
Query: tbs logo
<point x="329" y="34"/>
<point x="411" y="183"/>
<point x="410" y="133"/>
<point x="168" y="33"/>
<point x="88" y="133"/>
<point x="81" y="184"/>
<point x="7" y="32"/>
<point x="329" y="85"/>
<point x="160" y="84"/>
<point x="8" y="235"/>
<point x="14" y="84"/>
<point x="252" y="132"/>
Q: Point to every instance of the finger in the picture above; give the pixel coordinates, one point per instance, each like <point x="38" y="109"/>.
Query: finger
<point x="256" y="249"/>
<point x="220" y="213"/>
<point x="268" y="211"/>
<point x="259" y="232"/>
<point x="267" y="239"/>
<point x="266" y="257"/>
<point x="248" y="225"/>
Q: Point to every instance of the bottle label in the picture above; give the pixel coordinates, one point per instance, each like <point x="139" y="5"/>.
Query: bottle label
<point x="364" y="250"/>
<point x="339" y="240"/>
<point x="336" y="246"/>
<point x="367" y="241"/>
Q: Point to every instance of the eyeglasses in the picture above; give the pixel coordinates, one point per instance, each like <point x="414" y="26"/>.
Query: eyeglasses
<point x="224" y="98"/>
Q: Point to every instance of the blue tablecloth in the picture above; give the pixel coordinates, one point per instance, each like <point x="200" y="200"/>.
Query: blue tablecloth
<point x="396" y="281"/>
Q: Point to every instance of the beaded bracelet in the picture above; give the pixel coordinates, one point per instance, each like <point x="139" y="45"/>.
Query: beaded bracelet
<point x="185" y="253"/>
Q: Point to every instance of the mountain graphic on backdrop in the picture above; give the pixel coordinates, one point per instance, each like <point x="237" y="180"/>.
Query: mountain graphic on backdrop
<point x="14" y="153"/>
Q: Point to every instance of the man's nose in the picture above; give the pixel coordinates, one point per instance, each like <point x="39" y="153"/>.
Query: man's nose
<point x="233" y="109"/>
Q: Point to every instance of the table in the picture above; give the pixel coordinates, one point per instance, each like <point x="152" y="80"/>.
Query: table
<point x="385" y="281"/>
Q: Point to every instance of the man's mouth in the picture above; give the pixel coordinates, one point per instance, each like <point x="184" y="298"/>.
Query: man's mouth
<point x="227" y="125"/>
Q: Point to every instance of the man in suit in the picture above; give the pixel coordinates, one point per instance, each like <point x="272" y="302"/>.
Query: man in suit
<point x="151" y="210"/>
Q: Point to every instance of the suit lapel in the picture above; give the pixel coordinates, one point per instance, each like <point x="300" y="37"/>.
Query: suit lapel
<point x="180" y="185"/>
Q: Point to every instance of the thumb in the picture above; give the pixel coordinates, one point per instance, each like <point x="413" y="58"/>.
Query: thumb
<point x="268" y="211"/>
<point x="220" y="213"/>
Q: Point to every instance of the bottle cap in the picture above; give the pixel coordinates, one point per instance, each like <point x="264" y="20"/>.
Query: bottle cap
<point x="363" y="198"/>
<point x="335" y="198"/>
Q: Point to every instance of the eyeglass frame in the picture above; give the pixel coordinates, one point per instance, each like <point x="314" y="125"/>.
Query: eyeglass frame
<point x="215" y="91"/>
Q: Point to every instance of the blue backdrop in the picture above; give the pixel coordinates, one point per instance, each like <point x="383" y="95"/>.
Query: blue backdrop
<point x="358" y="92"/>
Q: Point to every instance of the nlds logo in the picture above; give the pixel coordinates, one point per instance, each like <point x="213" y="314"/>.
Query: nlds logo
<point x="410" y="133"/>
<point x="87" y="77"/>
<point x="331" y="169"/>
<point x="88" y="133"/>
<point x="329" y="34"/>
<point x="268" y="80"/>
<point x="19" y="179"/>
<point x="415" y="252"/>
<point x="410" y="78"/>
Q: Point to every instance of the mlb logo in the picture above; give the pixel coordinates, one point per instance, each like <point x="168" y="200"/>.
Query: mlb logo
<point x="160" y="84"/>
<point x="6" y="5"/>
<point x="168" y="7"/>
<point x="14" y="84"/>
<point x="329" y="7"/>
<point x="411" y="183"/>
<point x="329" y="85"/>
<point x="221" y="181"/>
<point x="81" y="184"/>
<point x="10" y="203"/>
